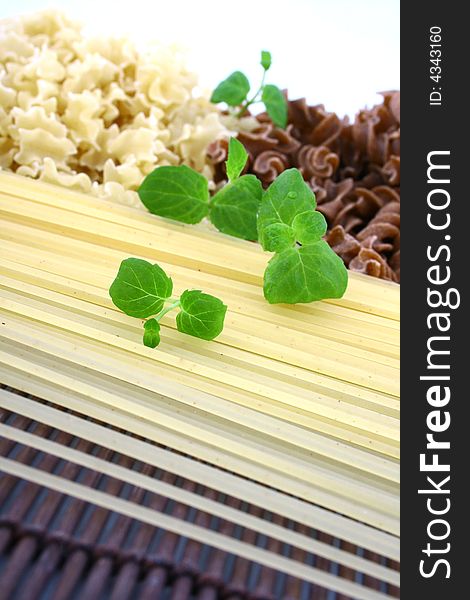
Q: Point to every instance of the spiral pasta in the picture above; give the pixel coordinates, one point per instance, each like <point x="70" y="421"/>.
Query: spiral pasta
<point x="353" y="168"/>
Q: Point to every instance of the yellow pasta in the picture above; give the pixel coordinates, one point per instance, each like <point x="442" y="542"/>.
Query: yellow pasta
<point x="97" y="115"/>
<point x="301" y="399"/>
<point x="201" y="503"/>
<point x="308" y="514"/>
<point x="230" y="447"/>
<point x="202" y="534"/>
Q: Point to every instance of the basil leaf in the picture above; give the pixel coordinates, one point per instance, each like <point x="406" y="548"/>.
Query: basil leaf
<point x="151" y="333"/>
<point x="202" y="315"/>
<point x="276" y="105"/>
<point x="265" y="59"/>
<point x="237" y="157"/>
<point x="311" y="272"/>
<point x="232" y="90"/>
<point x="234" y="208"/>
<point x="309" y="227"/>
<point x="140" y="288"/>
<point x="284" y="199"/>
<point x="178" y="193"/>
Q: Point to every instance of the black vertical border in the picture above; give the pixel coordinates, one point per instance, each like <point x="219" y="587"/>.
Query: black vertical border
<point x="426" y="128"/>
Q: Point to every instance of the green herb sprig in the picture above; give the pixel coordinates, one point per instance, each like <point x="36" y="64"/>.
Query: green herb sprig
<point x="304" y="268"/>
<point x="235" y="89"/>
<point x="283" y="219"/>
<point x="144" y="290"/>
<point x="179" y="193"/>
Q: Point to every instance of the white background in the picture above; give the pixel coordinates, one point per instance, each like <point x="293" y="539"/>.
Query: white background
<point x="336" y="52"/>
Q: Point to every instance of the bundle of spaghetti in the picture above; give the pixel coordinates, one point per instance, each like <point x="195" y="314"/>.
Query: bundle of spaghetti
<point x="303" y="399"/>
<point x="41" y="445"/>
<point x="189" y="246"/>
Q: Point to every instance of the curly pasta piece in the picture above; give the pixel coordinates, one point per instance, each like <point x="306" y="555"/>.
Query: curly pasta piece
<point x="269" y="164"/>
<point x="353" y="168"/>
<point x="391" y="171"/>
<point x="344" y="244"/>
<point x="370" y="262"/>
<point x="360" y="257"/>
<point x="317" y="161"/>
<point x="103" y="112"/>
<point x="384" y="229"/>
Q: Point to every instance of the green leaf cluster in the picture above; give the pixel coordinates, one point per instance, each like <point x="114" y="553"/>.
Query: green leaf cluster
<point x="182" y="194"/>
<point x="304" y="267"/>
<point x="283" y="219"/>
<point x="235" y="89"/>
<point x="142" y="289"/>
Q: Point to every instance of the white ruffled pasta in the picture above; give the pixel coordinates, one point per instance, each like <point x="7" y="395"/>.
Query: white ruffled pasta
<point x="96" y="115"/>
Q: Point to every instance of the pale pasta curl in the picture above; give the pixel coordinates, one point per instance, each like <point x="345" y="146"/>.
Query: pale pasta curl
<point x="97" y="115"/>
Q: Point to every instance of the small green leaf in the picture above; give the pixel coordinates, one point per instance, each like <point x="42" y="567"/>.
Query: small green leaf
<point x="277" y="237"/>
<point x="276" y="105"/>
<point x="309" y="227"/>
<point x="140" y="288"/>
<point x="237" y="157"/>
<point x="285" y="198"/>
<point x="311" y="272"/>
<point x="178" y="193"/>
<point x="151" y="333"/>
<point x="265" y="59"/>
<point x="232" y="90"/>
<point x="201" y="315"/>
<point x="234" y="208"/>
